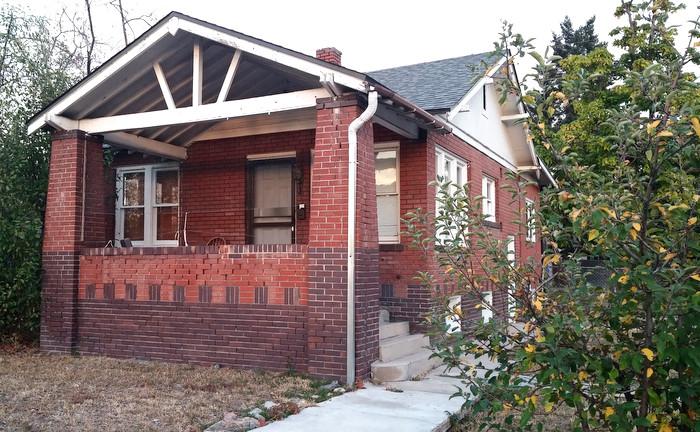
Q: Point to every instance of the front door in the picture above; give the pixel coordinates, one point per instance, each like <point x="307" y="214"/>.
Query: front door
<point x="271" y="215"/>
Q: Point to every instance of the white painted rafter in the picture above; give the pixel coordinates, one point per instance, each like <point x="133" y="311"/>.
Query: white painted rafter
<point x="164" y="88"/>
<point x="146" y="145"/>
<point x="99" y="76"/>
<point x="197" y="74"/>
<point x="202" y="113"/>
<point x="230" y="74"/>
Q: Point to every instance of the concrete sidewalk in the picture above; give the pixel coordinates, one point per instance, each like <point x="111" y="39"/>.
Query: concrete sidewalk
<point x="376" y="409"/>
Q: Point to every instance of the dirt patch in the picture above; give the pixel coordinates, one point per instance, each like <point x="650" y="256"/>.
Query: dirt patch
<point x="58" y="393"/>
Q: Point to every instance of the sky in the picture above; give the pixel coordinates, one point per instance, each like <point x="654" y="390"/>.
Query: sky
<point x="371" y="34"/>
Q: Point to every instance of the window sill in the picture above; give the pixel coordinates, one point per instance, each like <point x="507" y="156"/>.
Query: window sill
<point x="490" y="224"/>
<point x="391" y="247"/>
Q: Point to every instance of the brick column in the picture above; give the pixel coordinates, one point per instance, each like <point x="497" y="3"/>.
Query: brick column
<point x="68" y="226"/>
<point x="328" y="236"/>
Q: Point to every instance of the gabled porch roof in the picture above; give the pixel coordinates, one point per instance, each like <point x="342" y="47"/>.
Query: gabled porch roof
<point x="184" y="76"/>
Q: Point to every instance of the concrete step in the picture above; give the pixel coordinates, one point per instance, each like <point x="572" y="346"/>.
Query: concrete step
<point x="404" y="368"/>
<point x="387" y="329"/>
<point x="399" y="346"/>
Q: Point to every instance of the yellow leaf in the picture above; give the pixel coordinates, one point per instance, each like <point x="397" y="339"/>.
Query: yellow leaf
<point x="582" y="376"/>
<point x="609" y="411"/>
<point x="634" y="289"/>
<point x="530" y="348"/>
<point x="593" y="234"/>
<point x="649" y="354"/>
<point x="664" y="133"/>
<point x="554" y="259"/>
<point x="692" y="221"/>
<point x="539" y="337"/>
<point x="669" y="256"/>
<point x="623" y="279"/>
<point x="609" y="212"/>
<point x="548" y="406"/>
<point x="538" y="305"/>
<point x="637" y="226"/>
<point x="695" y="276"/>
<point x="574" y="214"/>
<point x="696" y="125"/>
<point x="651" y="417"/>
<point x="478" y="306"/>
<point x="633" y="234"/>
<point x="665" y="427"/>
<point x="650" y="372"/>
<point x="651" y="127"/>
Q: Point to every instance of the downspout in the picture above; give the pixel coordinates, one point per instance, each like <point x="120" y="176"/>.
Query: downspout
<point x="355" y="126"/>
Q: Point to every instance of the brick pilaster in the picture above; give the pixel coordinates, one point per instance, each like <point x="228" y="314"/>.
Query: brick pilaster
<point x="328" y="244"/>
<point x="74" y="218"/>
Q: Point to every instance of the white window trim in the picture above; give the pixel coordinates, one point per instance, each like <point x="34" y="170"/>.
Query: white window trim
<point x="530" y="228"/>
<point x="442" y="155"/>
<point x="512" y="259"/>
<point x="488" y="210"/>
<point x="149" y="221"/>
<point x="392" y="145"/>
<point x="487" y="306"/>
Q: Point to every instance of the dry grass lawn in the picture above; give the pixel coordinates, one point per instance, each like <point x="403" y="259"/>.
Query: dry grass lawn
<point x="62" y="393"/>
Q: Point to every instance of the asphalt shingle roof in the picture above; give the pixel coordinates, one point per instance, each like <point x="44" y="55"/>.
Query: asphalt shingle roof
<point x="436" y="85"/>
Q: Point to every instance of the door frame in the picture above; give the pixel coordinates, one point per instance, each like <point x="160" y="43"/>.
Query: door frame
<point x="251" y="164"/>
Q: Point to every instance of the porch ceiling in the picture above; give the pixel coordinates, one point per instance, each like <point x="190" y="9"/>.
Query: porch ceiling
<point x="135" y="89"/>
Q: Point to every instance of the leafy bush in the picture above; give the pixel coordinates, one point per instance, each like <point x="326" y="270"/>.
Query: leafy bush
<point x="622" y="355"/>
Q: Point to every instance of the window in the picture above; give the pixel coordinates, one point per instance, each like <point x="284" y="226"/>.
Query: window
<point x="148" y="205"/>
<point x="488" y="193"/>
<point x="510" y="254"/>
<point x="487" y="306"/>
<point x="386" y="177"/>
<point x="530" y="233"/>
<point x="449" y="168"/>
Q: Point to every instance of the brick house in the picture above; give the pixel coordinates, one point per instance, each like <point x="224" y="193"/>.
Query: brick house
<point x="251" y="190"/>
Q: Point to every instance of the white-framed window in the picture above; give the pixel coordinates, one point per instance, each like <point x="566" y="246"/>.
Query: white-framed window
<point x="148" y="204"/>
<point x="386" y="177"/>
<point x="488" y="193"/>
<point x="449" y="167"/>
<point x="487" y="306"/>
<point x="484" y="96"/>
<point x="530" y="227"/>
<point x="512" y="259"/>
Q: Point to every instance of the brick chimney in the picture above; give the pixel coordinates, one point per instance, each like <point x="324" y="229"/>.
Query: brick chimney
<point x="331" y="55"/>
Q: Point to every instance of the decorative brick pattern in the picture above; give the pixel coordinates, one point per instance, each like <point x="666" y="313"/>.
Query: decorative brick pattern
<point x="179" y="294"/>
<point x="108" y="291"/>
<point x="154" y="292"/>
<point x="273" y="266"/>
<point x="131" y="292"/>
<point x="261" y="295"/>
<point x="232" y="295"/>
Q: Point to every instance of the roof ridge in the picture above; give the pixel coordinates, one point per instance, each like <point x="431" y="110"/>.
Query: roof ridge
<point x="431" y="61"/>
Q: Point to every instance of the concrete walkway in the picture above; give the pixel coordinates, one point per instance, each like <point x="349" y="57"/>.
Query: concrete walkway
<point x="376" y="409"/>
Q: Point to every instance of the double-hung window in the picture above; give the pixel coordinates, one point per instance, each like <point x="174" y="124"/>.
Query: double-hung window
<point x="530" y="233"/>
<point x="386" y="176"/>
<point x="449" y="168"/>
<point x="488" y="194"/>
<point x="148" y="198"/>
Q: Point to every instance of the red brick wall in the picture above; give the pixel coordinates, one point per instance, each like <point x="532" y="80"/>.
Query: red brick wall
<point x="213" y="183"/>
<point x="328" y="244"/>
<point x="400" y="264"/>
<point x="275" y="267"/>
<point x="247" y="336"/>
<point x="70" y="207"/>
